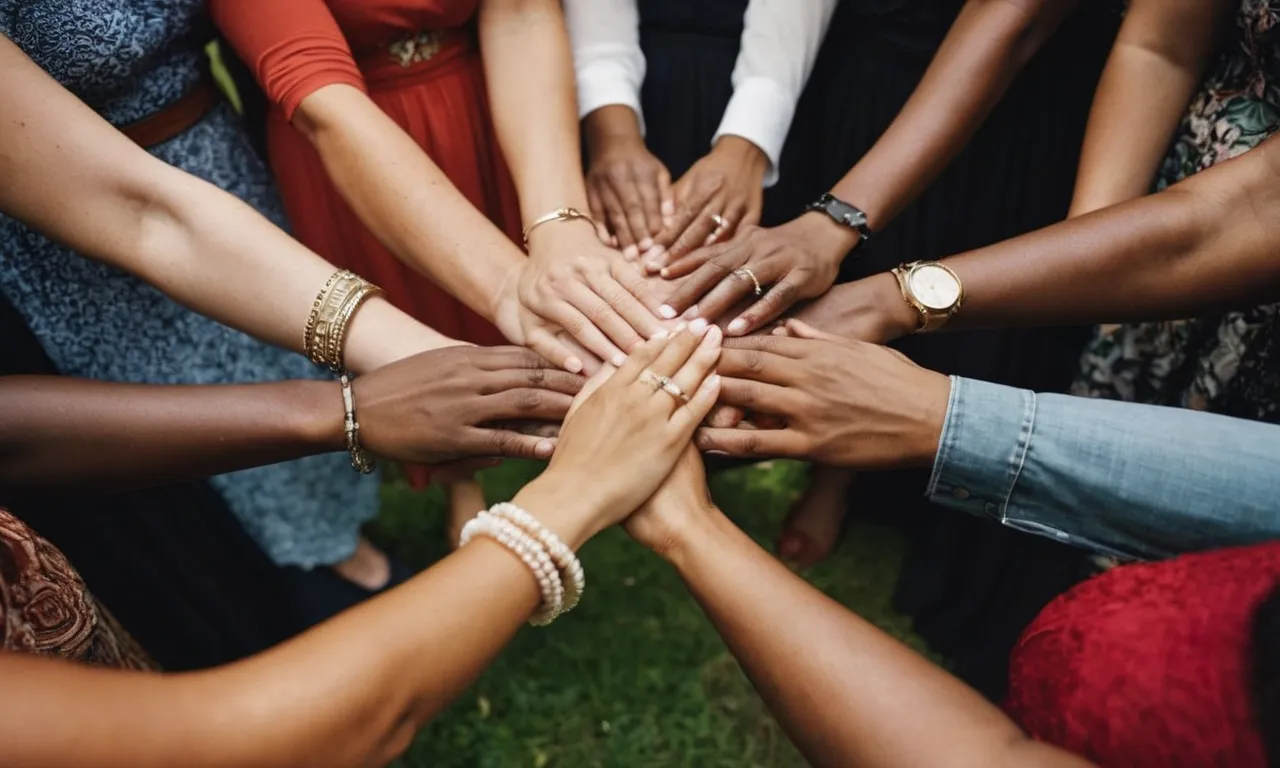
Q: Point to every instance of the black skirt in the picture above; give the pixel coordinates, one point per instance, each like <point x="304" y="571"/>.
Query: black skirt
<point x="970" y="584"/>
<point x="171" y="564"/>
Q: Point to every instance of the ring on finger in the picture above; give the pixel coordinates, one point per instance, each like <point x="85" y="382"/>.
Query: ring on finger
<point x="673" y="389"/>
<point x="721" y="222"/>
<point x="653" y="380"/>
<point x="745" y="273"/>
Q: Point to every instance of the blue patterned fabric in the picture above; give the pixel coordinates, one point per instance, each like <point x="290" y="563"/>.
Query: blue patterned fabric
<point x="127" y="59"/>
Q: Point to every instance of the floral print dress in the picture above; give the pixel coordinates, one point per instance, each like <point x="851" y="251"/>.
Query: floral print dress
<point x="1227" y="363"/>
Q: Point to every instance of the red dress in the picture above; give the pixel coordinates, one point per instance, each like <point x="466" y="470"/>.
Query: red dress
<point x="1149" y="665"/>
<point x="417" y="60"/>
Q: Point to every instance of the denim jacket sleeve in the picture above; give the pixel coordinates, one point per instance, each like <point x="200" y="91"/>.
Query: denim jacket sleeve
<point x="1118" y="478"/>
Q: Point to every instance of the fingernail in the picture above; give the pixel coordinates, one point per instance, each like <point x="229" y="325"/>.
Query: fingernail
<point x="618" y="360"/>
<point x="573" y="365"/>
<point x="738" y="326"/>
<point x="779" y="331"/>
<point x="691" y="312"/>
<point x="679" y="327"/>
<point x="665" y="272"/>
<point x="645" y="244"/>
<point x="630" y="252"/>
<point x="668" y="208"/>
<point x="652" y="267"/>
<point x="662" y="334"/>
<point x="713" y="337"/>
<point x="698" y="327"/>
<point x="666" y="312"/>
<point x="713" y="380"/>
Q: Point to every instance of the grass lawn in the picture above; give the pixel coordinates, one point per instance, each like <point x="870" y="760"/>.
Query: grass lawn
<point x="635" y="676"/>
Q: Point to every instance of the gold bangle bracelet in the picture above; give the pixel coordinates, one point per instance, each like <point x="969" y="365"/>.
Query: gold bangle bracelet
<point x="559" y="214"/>
<point x="338" y="333"/>
<point x="313" y="318"/>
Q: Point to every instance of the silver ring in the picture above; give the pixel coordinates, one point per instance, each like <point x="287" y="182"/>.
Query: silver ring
<point x="745" y="273"/>
<point x="654" y="381"/>
<point x="721" y="222"/>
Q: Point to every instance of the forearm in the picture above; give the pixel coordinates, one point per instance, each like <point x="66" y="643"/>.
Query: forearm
<point x="845" y="692"/>
<point x="405" y="199"/>
<point x="1154" y="69"/>
<point x="987" y="45"/>
<point x="62" y="435"/>
<point x="529" y="70"/>
<point x="1113" y="477"/>
<point x="349" y="693"/>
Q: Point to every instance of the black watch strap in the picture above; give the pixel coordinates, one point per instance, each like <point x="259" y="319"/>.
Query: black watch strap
<point x="843" y="214"/>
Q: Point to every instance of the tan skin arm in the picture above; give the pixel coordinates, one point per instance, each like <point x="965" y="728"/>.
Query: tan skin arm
<point x="72" y="176"/>
<point x="1203" y="245"/>
<point x="986" y="47"/>
<point x="1154" y="69"/>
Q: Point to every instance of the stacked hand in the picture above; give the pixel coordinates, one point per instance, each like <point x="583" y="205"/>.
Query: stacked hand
<point x="840" y="402"/>
<point x="769" y="269"/>
<point x="629" y="426"/>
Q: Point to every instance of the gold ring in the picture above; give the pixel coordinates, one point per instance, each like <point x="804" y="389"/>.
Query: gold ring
<point x="654" y="381"/>
<point x="745" y="273"/>
<point x="721" y="222"/>
<point x="673" y="389"/>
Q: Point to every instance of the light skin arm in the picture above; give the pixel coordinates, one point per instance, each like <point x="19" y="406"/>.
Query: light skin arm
<point x="311" y="702"/>
<point x="1154" y="69"/>
<point x="986" y="47"/>
<point x="72" y="176"/>
<point x="1202" y="245"/>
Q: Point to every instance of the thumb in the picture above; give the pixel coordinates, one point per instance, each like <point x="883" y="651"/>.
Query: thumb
<point x="802" y="330"/>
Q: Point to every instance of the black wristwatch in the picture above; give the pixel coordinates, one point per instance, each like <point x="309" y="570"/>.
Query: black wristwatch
<point x="843" y="214"/>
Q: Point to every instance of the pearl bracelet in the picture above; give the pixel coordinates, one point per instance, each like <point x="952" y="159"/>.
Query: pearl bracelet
<point x="570" y="567"/>
<point x="528" y="550"/>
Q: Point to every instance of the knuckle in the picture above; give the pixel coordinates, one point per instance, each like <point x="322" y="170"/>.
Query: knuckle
<point x="529" y="400"/>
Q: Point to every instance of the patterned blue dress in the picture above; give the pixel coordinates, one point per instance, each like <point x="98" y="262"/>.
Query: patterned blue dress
<point x="128" y="59"/>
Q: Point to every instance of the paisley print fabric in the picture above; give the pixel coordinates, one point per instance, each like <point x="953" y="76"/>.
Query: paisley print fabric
<point x="1224" y="363"/>
<point x="127" y="59"/>
<point x="46" y="609"/>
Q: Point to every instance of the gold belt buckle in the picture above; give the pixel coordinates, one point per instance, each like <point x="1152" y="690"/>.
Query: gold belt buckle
<point x="415" y="49"/>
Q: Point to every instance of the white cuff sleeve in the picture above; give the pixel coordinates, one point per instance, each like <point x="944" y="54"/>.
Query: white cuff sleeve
<point x="607" y="82"/>
<point x="760" y="112"/>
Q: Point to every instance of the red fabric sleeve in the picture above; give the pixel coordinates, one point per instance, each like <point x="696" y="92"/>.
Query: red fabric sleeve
<point x="294" y="47"/>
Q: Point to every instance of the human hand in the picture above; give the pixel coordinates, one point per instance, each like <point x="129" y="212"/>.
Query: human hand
<point x="663" y="521"/>
<point x="572" y="281"/>
<point x="628" y="189"/>
<point x="626" y="432"/>
<point x="722" y="192"/>
<point x="871" y="309"/>
<point x="795" y="261"/>
<point x="448" y="404"/>
<point x="843" y="402"/>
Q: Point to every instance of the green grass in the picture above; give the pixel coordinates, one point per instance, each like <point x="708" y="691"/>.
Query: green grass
<point x="635" y="676"/>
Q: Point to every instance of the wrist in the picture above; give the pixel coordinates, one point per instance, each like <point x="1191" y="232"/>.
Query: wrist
<point x="563" y="508"/>
<point x="742" y="151"/>
<point x="700" y="531"/>
<point x="610" y="126"/>
<point x="825" y="237"/>
<point x="895" y="317"/>
<point x="924" y="435"/>
<point x="564" y="235"/>
<point x="320" y="420"/>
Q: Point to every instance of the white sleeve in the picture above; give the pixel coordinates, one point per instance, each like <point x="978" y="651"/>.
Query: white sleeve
<point x="780" y="41"/>
<point x="607" y="60"/>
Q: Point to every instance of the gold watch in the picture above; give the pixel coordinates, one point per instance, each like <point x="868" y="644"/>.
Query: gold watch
<point x="933" y="289"/>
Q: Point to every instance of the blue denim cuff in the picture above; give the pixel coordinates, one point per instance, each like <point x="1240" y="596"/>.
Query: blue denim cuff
<point x="983" y="447"/>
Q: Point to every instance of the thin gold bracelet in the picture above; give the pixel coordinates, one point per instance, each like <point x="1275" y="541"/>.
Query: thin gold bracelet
<point x="559" y="214"/>
<point x="338" y="330"/>
<point x="361" y="460"/>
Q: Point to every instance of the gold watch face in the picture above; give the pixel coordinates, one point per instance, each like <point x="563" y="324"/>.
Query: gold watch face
<point x="934" y="287"/>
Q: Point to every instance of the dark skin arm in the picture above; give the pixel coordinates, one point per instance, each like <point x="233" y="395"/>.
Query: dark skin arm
<point x="983" y="52"/>
<point x="845" y="692"/>
<point x="61" y="434"/>
<point x="1200" y="246"/>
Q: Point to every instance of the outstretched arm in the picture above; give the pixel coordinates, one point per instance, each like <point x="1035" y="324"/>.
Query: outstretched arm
<point x="72" y="176"/>
<point x="1202" y="245"/>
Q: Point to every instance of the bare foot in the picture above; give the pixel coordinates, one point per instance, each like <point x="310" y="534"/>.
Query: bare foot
<point x="466" y="500"/>
<point x="813" y="526"/>
<point x="367" y="568"/>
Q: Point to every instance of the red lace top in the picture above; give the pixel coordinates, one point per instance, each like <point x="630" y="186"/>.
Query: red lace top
<point x="1149" y="665"/>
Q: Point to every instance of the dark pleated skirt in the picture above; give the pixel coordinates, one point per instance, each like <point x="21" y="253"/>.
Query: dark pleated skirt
<point x="970" y="584"/>
<point x="171" y="564"/>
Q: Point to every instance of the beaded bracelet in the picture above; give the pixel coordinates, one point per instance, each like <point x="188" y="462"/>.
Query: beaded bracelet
<point x="566" y="561"/>
<point x="528" y="550"/>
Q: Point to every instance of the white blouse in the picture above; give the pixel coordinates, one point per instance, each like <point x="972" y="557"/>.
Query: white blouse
<point x="780" y="41"/>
